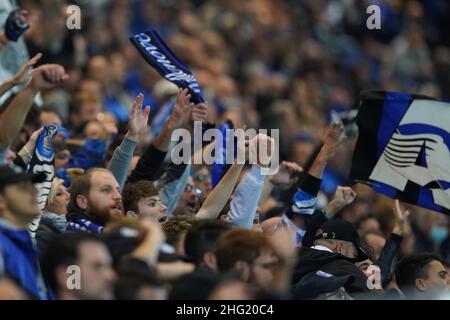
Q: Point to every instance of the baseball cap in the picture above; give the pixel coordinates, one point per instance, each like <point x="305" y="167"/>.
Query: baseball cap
<point x="318" y="282"/>
<point x="9" y="175"/>
<point x="340" y="229"/>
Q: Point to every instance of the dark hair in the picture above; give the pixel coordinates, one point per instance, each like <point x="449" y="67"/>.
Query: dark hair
<point x="63" y="251"/>
<point x="202" y="237"/>
<point x="240" y="244"/>
<point x="175" y="226"/>
<point x="412" y="267"/>
<point x="194" y="286"/>
<point x="132" y="278"/>
<point x="135" y="191"/>
<point x="276" y="211"/>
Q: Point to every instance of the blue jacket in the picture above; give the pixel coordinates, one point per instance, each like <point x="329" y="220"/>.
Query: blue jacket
<point x="19" y="260"/>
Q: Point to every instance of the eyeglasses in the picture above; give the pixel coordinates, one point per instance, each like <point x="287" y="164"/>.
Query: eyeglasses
<point x="201" y="177"/>
<point x="197" y="190"/>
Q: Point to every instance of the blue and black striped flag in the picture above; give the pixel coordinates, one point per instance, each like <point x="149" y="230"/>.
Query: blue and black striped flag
<point x="403" y="148"/>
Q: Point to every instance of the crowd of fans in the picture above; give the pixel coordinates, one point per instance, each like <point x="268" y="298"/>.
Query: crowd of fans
<point x="120" y="220"/>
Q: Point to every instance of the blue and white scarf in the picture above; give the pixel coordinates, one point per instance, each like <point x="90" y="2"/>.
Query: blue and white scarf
<point x="43" y="160"/>
<point x="84" y="225"/>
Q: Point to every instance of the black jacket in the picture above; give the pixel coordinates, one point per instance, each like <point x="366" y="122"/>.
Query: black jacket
<point x="388" y="255"/>
<point x="148" y="166"/>
<point x="310" y="260"/>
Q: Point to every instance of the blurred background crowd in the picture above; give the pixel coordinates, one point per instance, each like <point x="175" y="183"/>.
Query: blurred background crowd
<point x="267" y="64"/>
<point x="292" y="65"/>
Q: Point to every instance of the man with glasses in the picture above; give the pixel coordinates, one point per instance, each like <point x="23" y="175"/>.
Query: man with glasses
<point x="189" y="202"/>
<point x="202" y="179"/>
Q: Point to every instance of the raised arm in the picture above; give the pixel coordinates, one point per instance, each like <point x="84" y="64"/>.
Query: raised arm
<point x="11" y="121"/>
<point x="343" y="197"/>
<point x="153" y="157"/>
<point x="243" y="207"/>
<point x="25" y="154"/>
<point x="171" y="191"/>
<point x="284" y="177"/>
<point x="333" y="140"/>
<point x="137" y="123"/>
<point x="392" y="246"/>
<point x="219" y="196"/>
<point x="22" y="77"/>
<point x="178" y="118"/>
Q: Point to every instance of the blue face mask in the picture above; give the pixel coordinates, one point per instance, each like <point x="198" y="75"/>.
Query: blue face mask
<point x="438" y="234"/>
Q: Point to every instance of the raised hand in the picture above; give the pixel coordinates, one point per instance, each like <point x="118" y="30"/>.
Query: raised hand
<point x="267" y="144"/>
<point x="343" y="197"/>
<point x="47" y="76"/>
<point x="138" y="118"/>
<point x="31" y="144"/>
<point x="400" y="218"/>
<point x="23" y="75"/>
<point x="200" y="112"/>
<point x="28" y="149"/>
<point x="283" y="177"/>
<point x="182" y="109"/>
<point x="333" y="140"/>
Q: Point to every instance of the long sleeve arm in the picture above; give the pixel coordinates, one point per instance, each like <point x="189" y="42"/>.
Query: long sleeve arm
<point x="304" y="200"/>
<point x="304" y="203"/>
<point x="174" y="186"/>
<point x="148" y="165"/>
<point x="121" y="160"/>
<point x="387" y="257"/>
<point x="246" y="198"/>
<point x="14" y="116"/>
